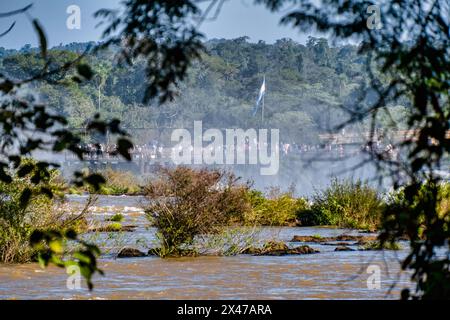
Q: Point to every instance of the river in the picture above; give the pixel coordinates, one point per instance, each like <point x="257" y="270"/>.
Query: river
<point x="326" y="275"/>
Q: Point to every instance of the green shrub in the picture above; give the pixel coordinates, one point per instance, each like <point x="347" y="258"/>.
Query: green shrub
<point x="114" y="226"/>
<point x="345" y="204"/>
<point x="118" y="217"/>
<point x="230" y="241"/>
<point x="185" y="203"/>
<point x="17" y="222"/>
<point x="277" y="209"/>
<point x="398" y="204"/>
<point x="119" y="182"/>
<point x="443" y="201"/>
<point x="74" y="190"/>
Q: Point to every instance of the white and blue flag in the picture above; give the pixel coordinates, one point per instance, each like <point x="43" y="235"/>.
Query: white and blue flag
<point x="262" y="92"/>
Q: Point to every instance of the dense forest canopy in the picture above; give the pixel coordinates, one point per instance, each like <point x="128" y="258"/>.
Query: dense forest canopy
<point x="306" y="87"/>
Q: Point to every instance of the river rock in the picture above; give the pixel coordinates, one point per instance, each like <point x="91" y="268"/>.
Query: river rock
<point x="310" y="239"/>
<point x="128" y="228"/>
<point x="274" y="248"/>
<point x="303" y="250"/>
<point x="130" y="253"/>
<point x="109" y="228"/>
<point x="344" y="248"/>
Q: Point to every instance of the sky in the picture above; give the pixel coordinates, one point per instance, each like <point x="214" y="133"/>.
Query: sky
<point x="237" y="18"/>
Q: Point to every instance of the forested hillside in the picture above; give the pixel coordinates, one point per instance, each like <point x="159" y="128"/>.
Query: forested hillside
<point x="306" y="84"/>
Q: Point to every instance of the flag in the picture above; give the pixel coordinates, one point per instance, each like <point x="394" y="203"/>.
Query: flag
<point x="262" y="92"/>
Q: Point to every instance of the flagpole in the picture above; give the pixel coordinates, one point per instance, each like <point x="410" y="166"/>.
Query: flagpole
<point x="263" y="97"/>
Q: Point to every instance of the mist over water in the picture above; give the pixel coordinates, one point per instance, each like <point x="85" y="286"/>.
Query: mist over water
<point x="305" y="176"/>
<point x="301" y="174"/>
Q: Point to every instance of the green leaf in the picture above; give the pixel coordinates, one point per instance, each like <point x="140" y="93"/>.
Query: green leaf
<point x="24" y="170"/>
<point x="42" y="262"/>
<point x="6" y="86"/>
<point x="25" y="197"/>
<point x="82" y="257"/>
<point x="16" y="160"/>
<point x="71" y="234"/>
<point x="56" y="246"/>
<point x="95" y="180"/>
<point x="47" y="192"/>
<point x="77" y="79"/>
<point x="124" y="146"/>
<point x="85" y="71"/>
<point x="36" y="237"/>
<point x="4" y="177"/>
<point x="43" y="259"/>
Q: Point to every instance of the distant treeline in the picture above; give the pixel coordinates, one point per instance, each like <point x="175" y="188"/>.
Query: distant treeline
<point x="306" y="87"/>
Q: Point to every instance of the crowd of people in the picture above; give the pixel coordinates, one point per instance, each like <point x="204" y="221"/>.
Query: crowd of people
<point x="157" y="150"/>
<point x="341" y="150"/>
<point x="98" y="151"/>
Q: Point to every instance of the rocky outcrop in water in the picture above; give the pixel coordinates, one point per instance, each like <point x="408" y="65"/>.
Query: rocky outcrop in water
<point x="178" y="253"/>
<point x="274" y="248"/>
<point x="342" y="242"/>
<point x="113" y="227"/>
<point x="343" y="248"/>
<point x="130" y="253"/>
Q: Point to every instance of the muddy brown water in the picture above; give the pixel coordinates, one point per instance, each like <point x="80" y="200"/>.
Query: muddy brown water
<point x="326" y="275"/>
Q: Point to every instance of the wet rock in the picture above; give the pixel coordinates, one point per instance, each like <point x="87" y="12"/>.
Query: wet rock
<point x="303" y="250"/>
<point x="310" y="239"/>
<point x="128" y="228"/>
<point x="273" y="248"/>
<point x="251" y="250"/>
<point x="113" y="227"/>
<point x="130" y="253"/>
<point x="345" y="237"/>
<point x="344" y="248"/>
<point x="176" y="253"/>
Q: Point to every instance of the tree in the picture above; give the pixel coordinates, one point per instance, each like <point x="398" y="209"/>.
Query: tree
<point x="162" y="33"/>
<point x="319" y="50"/>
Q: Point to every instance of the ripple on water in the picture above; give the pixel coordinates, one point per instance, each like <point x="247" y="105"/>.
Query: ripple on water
<point x="241" y="277"/>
